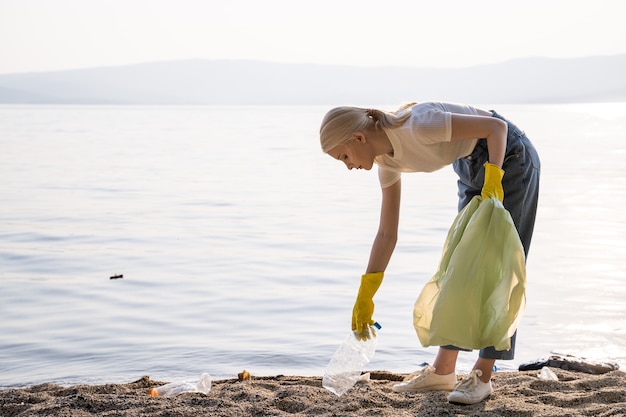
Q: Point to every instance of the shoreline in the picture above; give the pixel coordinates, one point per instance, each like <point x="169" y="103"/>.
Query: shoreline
<point x="516" y="393"/>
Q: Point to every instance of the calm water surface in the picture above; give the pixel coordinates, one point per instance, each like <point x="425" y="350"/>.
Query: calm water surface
<point x="242" y="245"/>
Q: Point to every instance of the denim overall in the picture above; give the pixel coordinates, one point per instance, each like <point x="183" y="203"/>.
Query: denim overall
<point x="521" y="188"/>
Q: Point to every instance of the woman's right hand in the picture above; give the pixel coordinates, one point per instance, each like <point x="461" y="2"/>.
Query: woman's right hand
<point x="364" y="306"/>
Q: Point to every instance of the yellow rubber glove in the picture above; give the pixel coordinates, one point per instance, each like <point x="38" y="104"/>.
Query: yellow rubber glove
<point x="364" y="305"/>
<point x="493" y="182"/>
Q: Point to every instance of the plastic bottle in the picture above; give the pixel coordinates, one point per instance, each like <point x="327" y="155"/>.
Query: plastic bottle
<point x="344" y="368"/>
<point x="547" y="374"/>
<point x="175" y="388"/>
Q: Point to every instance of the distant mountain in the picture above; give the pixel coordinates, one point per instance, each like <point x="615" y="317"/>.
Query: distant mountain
<point x="531" y="80"/>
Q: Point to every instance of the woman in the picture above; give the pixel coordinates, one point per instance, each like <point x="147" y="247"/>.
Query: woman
<point x="482" y="146"/>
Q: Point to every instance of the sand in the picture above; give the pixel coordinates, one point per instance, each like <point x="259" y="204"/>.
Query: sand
<point x="519" y="393"/>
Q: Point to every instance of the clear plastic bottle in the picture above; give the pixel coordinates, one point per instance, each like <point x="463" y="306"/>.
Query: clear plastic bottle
<point x="346" y="365"/>
<point x="175" y="388"/>
<point x="547" y="374"/>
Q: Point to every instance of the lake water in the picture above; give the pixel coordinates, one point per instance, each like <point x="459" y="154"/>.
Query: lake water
<point x="241" y="245"/>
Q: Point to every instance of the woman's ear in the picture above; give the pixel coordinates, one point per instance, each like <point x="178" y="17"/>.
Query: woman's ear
<point x="359" y="136"/>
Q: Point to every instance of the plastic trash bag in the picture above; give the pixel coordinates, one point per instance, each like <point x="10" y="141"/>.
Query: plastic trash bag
<point x="477" y="296"/>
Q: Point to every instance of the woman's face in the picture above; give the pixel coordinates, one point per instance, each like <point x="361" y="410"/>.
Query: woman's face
<point x="357" y="153"/>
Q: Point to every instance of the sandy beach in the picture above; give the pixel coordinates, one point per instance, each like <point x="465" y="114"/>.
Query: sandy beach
<point x="515" y="394"/>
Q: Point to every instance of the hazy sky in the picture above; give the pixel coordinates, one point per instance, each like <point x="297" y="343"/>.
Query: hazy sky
<point x="41" y="35"/>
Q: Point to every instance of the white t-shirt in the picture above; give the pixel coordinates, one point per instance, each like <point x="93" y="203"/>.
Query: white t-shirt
<point x="423" y="143"/>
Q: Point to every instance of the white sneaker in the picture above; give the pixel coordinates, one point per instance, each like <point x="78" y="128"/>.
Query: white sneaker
<point x="471" y="389"/>
<point x="426" y="380"/>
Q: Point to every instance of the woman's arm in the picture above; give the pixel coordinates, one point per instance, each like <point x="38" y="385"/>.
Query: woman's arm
<point x="387" y="236"/>
<point x="383" y="247"/>
<point x="465" y="126"/>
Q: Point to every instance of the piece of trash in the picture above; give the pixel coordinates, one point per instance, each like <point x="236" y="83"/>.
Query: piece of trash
<point x="119" y="276"/>
<point x="175" y="388"/>
<point x="547" y="374"/>
<point x="244" y="376"/>
<point x="364" y="378"/>
<point x="571" y="363"/>
<point x="346" y="365"/>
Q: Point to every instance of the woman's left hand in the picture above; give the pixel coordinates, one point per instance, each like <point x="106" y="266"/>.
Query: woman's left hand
<point x="492" y="186"/>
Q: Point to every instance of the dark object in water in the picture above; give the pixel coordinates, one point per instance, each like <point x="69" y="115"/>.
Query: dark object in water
<point x="117" y="276"/>
<point x="571" y="363"/>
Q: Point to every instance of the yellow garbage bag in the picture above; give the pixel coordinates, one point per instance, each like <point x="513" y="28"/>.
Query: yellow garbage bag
<point x="477" y="296"/>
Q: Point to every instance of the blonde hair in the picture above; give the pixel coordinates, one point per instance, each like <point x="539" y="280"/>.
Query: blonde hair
<point x="340" y="123"/>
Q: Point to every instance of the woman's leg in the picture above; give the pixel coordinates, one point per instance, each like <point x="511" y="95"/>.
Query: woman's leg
<point x="486" y="367"/>
<point x="445" y="362"/>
